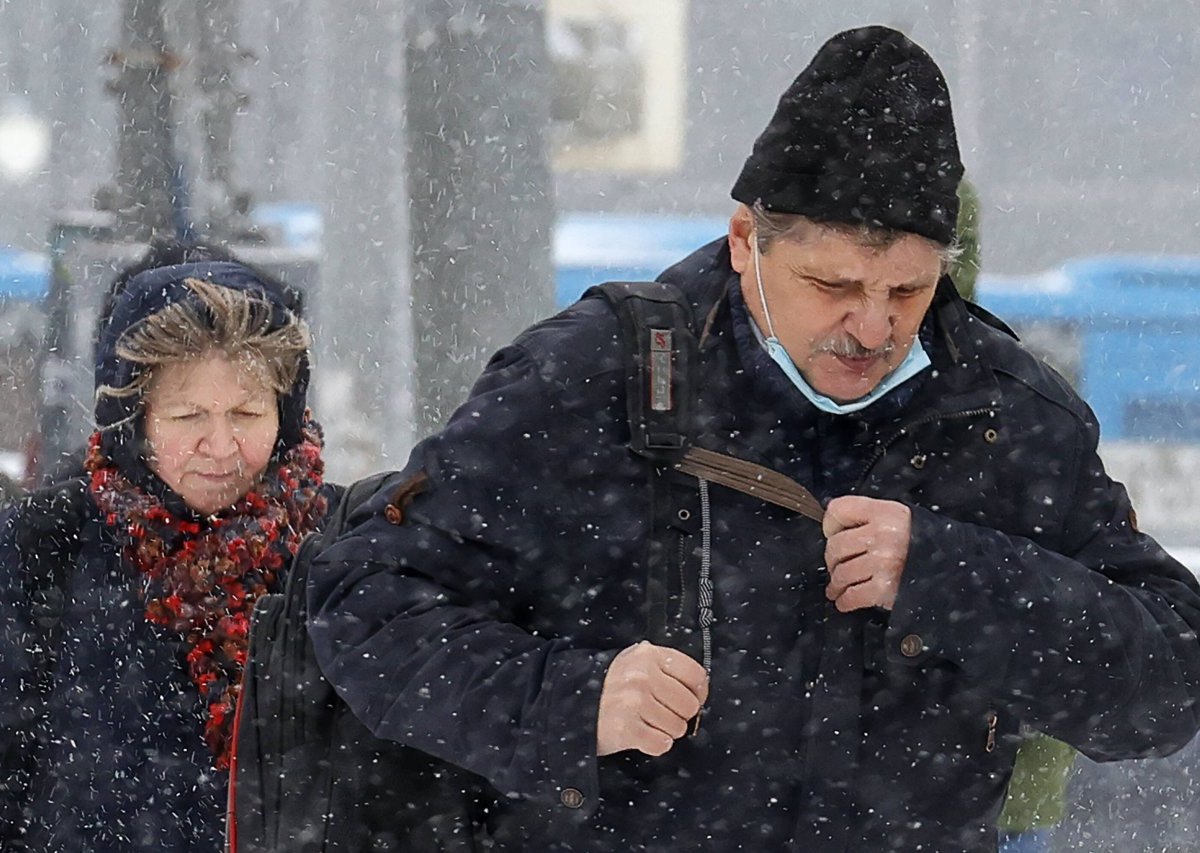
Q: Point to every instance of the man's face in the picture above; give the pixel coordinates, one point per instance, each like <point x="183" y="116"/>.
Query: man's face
<point x="846" y="313"/>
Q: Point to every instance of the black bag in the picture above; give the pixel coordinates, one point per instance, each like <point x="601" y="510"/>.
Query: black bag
<point x="308" y="777"/>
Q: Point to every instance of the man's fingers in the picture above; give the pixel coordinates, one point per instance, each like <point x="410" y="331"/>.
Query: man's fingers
<point x="679" y="699"/>
<point x="846" y="512"/>
<point x="857" y="597"/>
<point x="831" y="523"/>
<point x="649" y="694"/>
<point x="686" y="671"/>
<point x="660" y="717"/>
<point x="864" y="582"/>
<point x="850" y="573"/>
<point x="652" y="741"/>
<point x="845" y="546"/>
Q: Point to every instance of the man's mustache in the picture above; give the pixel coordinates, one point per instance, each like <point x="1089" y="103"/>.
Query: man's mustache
<point x="847" y="347"/>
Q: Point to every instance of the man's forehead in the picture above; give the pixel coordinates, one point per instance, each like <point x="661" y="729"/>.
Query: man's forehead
<point x="842" y="261"/>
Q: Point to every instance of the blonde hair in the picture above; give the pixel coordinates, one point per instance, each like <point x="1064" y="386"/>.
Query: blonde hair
<point x="226" y="322"/>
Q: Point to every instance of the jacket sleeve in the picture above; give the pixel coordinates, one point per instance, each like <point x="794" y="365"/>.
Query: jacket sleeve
<point x="1091" y="638"/>
<point x="414" y="623"/>
<point x="16" y="663"/>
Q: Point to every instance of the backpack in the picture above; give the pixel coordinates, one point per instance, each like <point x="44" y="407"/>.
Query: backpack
<point x="47" y="525"/>
<point x="307" y="776"/>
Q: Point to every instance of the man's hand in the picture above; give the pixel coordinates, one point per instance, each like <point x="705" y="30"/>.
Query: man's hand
<point x="865" y="551"/>
<point x="649" y="694"/>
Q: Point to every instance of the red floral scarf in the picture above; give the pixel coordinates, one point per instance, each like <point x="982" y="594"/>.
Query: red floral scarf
<point x="200" y="579"/>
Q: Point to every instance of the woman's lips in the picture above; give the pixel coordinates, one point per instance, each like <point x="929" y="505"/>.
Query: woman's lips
<point x="215" y="478"/>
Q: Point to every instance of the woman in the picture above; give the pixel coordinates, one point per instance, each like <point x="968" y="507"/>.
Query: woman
<point x="123" y="630"/>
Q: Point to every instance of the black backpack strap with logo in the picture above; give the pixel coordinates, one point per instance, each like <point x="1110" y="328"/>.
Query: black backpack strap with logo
<point x="660" y="353"/>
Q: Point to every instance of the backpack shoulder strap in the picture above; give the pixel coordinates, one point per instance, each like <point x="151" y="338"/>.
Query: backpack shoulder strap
<point x="661" y="351"/>
<point x="660" y="354"/>
<point x="658" y="337"/>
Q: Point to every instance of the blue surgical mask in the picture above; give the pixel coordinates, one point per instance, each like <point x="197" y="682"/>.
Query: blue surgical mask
<point x="916" y="360"/>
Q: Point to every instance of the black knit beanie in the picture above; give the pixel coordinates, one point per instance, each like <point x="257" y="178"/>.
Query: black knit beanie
<point x="864" y="135"/>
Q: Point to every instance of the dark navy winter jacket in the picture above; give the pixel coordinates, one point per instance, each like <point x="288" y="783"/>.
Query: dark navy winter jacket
<point x="126" y="768"/>
<point x="479" y="628"/>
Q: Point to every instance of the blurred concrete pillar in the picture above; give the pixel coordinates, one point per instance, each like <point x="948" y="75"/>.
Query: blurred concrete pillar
<point x="364" y="340"/>
<point x="438" y="212"/>
<point x="149" y="183"/>
<point x="969" y="35"/>
<point x="479" y="176"/>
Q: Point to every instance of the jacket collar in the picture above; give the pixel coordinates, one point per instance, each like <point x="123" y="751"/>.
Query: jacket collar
<point x="963" y="378"/>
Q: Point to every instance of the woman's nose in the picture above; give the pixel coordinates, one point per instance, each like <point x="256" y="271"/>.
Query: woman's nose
<point x="221" y="439"/>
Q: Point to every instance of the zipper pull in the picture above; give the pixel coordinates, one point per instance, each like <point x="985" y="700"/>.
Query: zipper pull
<point x="992" y="719"/>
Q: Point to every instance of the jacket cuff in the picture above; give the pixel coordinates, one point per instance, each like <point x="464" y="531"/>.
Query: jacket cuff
<point x="571" y="783"/>
<point x="932" y="614"/>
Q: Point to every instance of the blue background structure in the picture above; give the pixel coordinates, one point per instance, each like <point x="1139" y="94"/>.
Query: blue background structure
<point x="1125" y="330"/>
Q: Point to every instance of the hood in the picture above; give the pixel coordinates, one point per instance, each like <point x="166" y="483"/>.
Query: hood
<point x="147" y="294"/>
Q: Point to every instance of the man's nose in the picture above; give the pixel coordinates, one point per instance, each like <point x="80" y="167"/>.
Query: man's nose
<point x="871" y="323"/>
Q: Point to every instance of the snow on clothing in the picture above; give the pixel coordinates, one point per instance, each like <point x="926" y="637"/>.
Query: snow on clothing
<point x="127" y="768"/>
<point x="201" y="578"/>
<point x="151" y="641"/>
<point x="480" y="629"/>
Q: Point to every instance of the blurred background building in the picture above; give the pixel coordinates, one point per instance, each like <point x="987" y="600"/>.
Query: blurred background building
<point x="420" y="151"/>
<point x="1077" y="121"/>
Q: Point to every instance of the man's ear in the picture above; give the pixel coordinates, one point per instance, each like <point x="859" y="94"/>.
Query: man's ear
<point x="741" y="229"/>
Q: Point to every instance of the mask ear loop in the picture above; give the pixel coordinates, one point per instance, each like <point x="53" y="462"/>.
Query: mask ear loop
<point x="762" y="294"/>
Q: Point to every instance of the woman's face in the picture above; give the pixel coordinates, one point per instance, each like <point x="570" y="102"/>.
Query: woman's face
<point x="211" y="425"/>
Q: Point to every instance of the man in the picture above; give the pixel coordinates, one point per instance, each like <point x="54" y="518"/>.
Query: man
<point x="731" y="675"/>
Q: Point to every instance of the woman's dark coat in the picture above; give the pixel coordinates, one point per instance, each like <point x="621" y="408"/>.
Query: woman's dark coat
<point x="480" y="627"/>
<point x="124" y="718"/>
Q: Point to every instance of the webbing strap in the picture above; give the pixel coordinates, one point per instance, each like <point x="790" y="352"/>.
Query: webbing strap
<point x="751" y="479"/>
<point x="658" y="337"/>
<point x="659" y="342"/>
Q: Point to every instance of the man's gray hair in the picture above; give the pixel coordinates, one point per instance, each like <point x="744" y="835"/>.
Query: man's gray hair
<point x="771" y="226"/>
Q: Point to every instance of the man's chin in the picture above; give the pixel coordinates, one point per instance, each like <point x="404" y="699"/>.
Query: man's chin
<point x="847" y="392"/>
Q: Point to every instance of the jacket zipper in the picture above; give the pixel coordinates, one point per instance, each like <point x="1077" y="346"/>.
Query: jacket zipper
<point x="992" y="720"/>
<point x="907" y="428"/>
